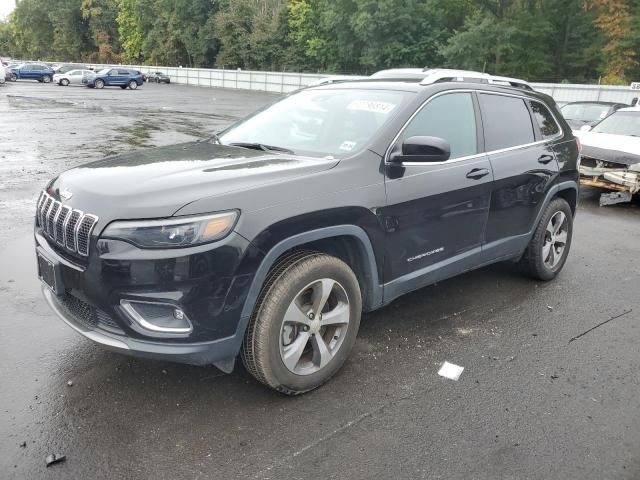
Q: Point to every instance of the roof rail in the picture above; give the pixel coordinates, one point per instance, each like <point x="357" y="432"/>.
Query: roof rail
<point x="437" y="75"/>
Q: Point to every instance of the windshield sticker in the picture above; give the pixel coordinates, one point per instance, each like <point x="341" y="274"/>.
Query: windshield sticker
<point x="603" y="114"/>
<point x="347" y="145"/>
<point x="371" y="106"/>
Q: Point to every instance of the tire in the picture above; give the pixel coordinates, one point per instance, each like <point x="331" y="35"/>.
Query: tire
<point x="289" y="292"/>
<point x="542" y="259"/>
<point x="133" y="85"/>
<point x="99" y="83"/>
<point x="64" y="82"/>
<point x="13" y="77"/>
<point x="46" y="79"/>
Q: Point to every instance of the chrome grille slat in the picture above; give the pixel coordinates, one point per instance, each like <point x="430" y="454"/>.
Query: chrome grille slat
<point x="68" y="227"/>
<point x="71" y="229"/>
<point x="60" y="223"/>
<point x="43" y="214"/>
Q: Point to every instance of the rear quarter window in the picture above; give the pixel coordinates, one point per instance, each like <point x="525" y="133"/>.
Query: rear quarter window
<point x="543" y="117"/>
<point x="507" y="122"/>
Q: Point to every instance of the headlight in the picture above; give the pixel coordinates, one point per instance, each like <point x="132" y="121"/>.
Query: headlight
<point x="173" y="232"/>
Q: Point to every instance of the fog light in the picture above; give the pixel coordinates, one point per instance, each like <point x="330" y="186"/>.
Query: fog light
<point x="157" y="317"/>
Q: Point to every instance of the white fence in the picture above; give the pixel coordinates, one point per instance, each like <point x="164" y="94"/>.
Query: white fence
<point x="563" y="92"/>
<point x="284" y="82"/>
<point x="277" y="82"/>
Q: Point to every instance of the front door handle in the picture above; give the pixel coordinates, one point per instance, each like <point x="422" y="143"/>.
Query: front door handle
<point x="477" y="173"/>
<point x="544" y="159"/>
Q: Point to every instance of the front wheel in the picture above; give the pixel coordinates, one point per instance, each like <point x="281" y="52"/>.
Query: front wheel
<point x="133" y="85"/>
<point x="13" y="77"/>
<point x="64" y="82"/>
<point x="304" y="324"/>
<point x="99" y="83"/>
<point x="548" y="249"/>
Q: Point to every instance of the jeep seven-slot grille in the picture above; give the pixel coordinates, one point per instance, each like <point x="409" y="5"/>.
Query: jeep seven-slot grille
<point x="67" y="227"/>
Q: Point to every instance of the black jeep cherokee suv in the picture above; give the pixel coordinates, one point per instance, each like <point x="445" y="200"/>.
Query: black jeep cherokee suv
<point x="269" y="240"/>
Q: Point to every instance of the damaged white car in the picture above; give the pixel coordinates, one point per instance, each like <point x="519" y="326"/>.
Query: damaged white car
<point x="610" y="157"/>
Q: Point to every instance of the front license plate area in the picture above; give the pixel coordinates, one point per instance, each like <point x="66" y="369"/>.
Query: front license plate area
<point x="49" y="273"/>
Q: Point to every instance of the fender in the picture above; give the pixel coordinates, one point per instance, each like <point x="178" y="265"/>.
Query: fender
<point x="306" y="237"/>
<point x="235" y="342"/>
<point x="514" y="247"/>
<point x="553" y="191"/>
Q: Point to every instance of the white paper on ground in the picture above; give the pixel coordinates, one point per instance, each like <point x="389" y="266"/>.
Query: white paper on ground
<point x="450" y="371"/>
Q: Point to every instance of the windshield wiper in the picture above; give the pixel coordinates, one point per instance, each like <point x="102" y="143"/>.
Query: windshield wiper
<point x="261" y="146"/>
<point x="215" y="138"/>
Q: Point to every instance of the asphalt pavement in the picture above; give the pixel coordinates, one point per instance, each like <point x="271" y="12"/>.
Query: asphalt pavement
<point x="550" y="387"/>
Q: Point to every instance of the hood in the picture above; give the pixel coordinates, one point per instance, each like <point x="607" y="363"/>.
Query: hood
<point x="623" y="149"/>
<point x="159" y="181"/>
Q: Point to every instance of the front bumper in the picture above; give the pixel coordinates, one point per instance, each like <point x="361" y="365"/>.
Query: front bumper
<point x="209" y="283"/>
<point x="203" y="353"/>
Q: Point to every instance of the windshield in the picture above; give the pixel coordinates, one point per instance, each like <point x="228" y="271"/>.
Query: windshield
<point x="585" y="112"/>
<point x="319" y="122"/>
<point x="104" y="71"/>
<point x="620" y="123"/>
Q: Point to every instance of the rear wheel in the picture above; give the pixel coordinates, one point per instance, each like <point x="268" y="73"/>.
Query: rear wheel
<point x="548" y="249"/>
<point x="46" y="79"/>
<point x="304" y="324"/>
<point x="133" y="85"/>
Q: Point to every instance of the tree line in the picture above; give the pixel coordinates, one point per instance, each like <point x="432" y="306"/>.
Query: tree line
<point x="540" y="40"/>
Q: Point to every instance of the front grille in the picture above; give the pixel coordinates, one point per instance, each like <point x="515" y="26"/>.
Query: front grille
<point x="87" y="314"/>
<point x="64" y="225"/>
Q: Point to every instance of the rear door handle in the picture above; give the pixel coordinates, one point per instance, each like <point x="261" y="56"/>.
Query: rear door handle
<point x="477" y="173"/>
<point x="544" y="159"/>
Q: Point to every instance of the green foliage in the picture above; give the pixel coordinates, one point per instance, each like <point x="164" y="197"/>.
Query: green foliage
<point x="545" y="40"/>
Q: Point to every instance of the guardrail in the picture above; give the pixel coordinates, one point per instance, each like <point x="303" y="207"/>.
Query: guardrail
<point x="284" y="82"/>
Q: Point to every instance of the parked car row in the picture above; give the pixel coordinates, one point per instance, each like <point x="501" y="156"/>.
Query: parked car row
<point x="76" y="74"/>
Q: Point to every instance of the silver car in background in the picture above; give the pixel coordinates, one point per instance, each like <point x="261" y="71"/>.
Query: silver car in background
<point x="72" y="77"/>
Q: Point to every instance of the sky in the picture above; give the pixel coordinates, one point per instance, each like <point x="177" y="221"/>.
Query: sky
<point x="5" y="8"/>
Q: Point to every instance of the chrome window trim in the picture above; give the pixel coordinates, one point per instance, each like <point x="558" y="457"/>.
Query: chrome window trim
<point x="560" y="133"/>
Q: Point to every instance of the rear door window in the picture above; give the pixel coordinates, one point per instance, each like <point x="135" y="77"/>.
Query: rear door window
<point x="451" y="117"/>
<point x="507" y="122"/>
<point x="548" y="126"/>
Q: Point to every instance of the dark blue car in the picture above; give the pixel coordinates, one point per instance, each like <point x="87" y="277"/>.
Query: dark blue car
<point x="32" y="71"/>
<point x="115" y="77"/>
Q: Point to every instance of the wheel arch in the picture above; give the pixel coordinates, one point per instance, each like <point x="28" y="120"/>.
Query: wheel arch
<point x="350" y="243"/>
<point x="568" y="190"/>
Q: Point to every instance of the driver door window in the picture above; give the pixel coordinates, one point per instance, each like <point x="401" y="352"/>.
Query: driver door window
<point x="451" y="117"/>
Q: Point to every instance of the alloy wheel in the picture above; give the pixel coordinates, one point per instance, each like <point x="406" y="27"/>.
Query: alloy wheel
<point x="314" y="326"/>
<point x="555" y="239"/>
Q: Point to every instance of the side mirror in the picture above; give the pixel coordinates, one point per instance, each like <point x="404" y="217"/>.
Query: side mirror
<point x="423" y="149"/>
<point x="585" y="128"/>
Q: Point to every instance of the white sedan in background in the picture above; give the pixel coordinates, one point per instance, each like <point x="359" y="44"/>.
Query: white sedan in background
<point x="610" y="156"/>
<point x="72" y="77"/>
